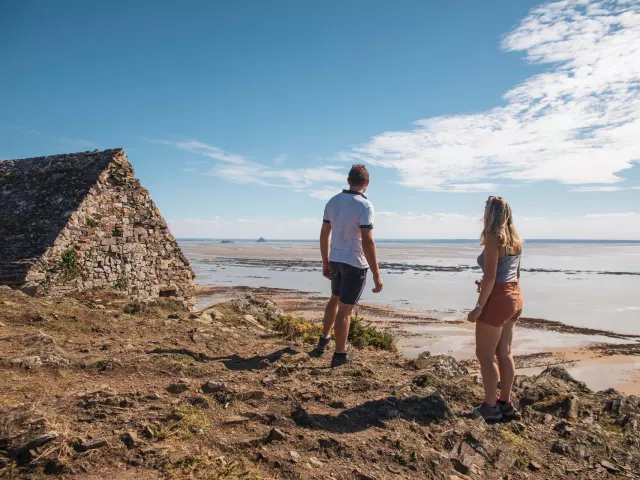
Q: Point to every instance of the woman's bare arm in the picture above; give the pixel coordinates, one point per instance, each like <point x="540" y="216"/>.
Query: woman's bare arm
<point x="491" y="256"/>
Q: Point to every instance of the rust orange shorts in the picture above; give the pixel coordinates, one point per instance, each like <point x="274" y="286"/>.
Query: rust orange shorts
<point x="504" y="304"/>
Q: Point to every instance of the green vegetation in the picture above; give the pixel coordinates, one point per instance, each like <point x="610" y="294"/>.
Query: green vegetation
<point x="363" y="336"/>
<point x="171" y="304"/>
<point x="116" y="232"/>
<point x="121" y="283"/>
<point x="69" y="264"/>
<point x="92" y="222"/>
<point x="198" y="467"/>
<point x="295" y="328"/>
<point x="360" y="335"/>
<point x="132" y="308"/>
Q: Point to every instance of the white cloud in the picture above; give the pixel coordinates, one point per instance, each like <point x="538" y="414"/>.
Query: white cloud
<point x="238" y="169"/>
<point x="386" y="214"/>
<point x="325" y="193"/>
<point x="189" y="169"/>
<point x="596" y="189"/>
<point x="576" y="124"/>
<point x="280" y="159"/>
<point x="200" y="148"/>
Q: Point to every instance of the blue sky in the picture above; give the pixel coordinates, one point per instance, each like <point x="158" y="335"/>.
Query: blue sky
<point x="243" y="117"/>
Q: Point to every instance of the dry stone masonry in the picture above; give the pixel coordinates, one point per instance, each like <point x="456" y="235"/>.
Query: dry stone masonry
<point x="82" y="221"/>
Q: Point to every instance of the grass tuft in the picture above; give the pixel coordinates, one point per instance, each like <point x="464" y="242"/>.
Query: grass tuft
<point x="295" y="328"/>
<point x="363" y="335"/>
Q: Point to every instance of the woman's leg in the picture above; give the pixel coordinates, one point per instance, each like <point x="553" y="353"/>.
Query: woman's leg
<point x="505" y="361"/>
<point x="487" y="338"/>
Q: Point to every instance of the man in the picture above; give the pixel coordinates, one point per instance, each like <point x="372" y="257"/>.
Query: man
<point x="348" y="220"/>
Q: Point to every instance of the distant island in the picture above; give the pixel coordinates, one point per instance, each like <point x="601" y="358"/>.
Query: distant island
<point x="227" y="241"/>
<point x="261" y="240"/>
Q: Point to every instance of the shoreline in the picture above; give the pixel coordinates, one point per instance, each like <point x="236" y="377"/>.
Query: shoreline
<point x="276" y="263"/>
<point x="587" y="353"/>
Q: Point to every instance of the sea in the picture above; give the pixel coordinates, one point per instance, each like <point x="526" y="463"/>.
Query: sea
<point x="583" y="283"/>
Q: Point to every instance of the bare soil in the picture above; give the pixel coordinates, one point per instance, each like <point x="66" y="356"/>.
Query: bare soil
<point x="91" y="392"/>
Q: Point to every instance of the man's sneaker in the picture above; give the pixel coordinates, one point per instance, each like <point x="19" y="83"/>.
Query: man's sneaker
<point x="506" y="408"/>
<point x="490" y="414"/>
<point x="340" y="359"/>
<point x="323" y="344"/>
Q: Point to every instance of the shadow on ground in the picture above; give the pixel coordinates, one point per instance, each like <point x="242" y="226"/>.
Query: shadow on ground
<point x="423" y="410"/>
<point x="235" y="362"/>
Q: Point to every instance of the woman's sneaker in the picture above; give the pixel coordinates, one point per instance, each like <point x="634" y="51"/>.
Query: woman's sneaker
<point x="490" y="414"/>
<point x="506" y="408"/>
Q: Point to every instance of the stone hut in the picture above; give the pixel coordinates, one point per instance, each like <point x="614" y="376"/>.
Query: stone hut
<point x="82" y="221"/>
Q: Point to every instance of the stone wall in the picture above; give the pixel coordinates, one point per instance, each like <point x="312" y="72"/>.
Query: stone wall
<point x="115" y="238"/>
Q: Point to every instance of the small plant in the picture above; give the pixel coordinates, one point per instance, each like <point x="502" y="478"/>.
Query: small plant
<point x="171" y="304"/>
<point x="69" y="264"/>
<point x="132" y="308"/>
<point x="116" y="232"/>
<point x="362" y="336"/>
<point x="121" y="283"/>
<point x="295" y="328"/>
<point x="92" y="222"/>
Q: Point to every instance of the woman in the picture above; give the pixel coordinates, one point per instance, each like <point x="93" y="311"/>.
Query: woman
<point x="498" y="308"/>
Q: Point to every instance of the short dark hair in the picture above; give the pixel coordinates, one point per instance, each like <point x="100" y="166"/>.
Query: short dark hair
<point x="358" y="175"/>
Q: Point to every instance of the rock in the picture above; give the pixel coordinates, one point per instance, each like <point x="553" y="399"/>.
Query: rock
<point x="295" y="456"/>
<point x="148" y="432"/>
<point x="199" y="402"/>
<point x="275" y="435"/>
<point x="176" y="458"/>
<point x="315" y="462"/>
<point x="337" y="404"/>
<point x="251" y="395"/>
<point x="130" y="439"/>
<point x="360" y="475"/>
<point x="216" y="315"/>
<point x="283" y="423"/>
<point x="36" y="442"/>
<point x="90" y="445"/>
<point x="534" y="466"/>
<point x="609" y="466"/>
<point x="235" y="420"/>
<point x="442" y="366"/>
<point x="570" y="407"/>
<point x="38" y="338"/>
<point x="178" y="387"/>
<point x="54" y="360"/>
<point x="560" y="448"/>
<point x="28" y="363"/>
<point x="269" y="380"/>
<point x="214" y="387"/>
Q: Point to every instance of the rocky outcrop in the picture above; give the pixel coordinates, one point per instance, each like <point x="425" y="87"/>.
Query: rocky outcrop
<point x="82" y="221"/>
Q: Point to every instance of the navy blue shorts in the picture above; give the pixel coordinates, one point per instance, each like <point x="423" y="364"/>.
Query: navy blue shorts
<point x="347" y="282"/>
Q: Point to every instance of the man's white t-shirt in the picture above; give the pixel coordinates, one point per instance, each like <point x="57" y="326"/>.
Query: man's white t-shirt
<point x="347" y="213"/>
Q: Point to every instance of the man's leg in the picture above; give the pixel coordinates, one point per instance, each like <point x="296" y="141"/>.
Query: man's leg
<point x="343" y="321"/>
<point x="330" y="312"/>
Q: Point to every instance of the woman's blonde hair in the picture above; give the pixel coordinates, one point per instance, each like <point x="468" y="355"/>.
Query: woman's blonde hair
<point x="499" y="223"/>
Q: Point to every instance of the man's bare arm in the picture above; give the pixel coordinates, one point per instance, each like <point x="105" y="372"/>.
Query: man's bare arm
<point x="325" y="234"/>
<point x="369" y="248"/>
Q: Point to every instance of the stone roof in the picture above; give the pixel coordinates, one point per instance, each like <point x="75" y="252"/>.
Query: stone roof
<point x="37" y="197"/>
